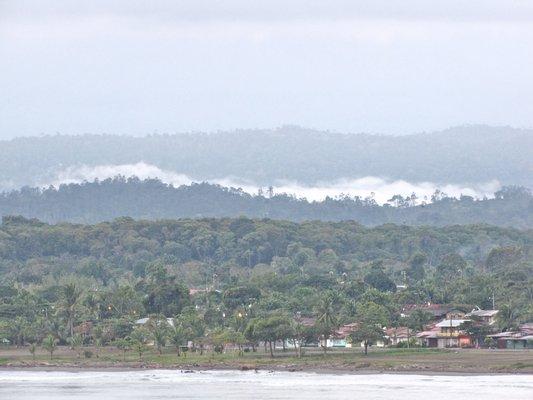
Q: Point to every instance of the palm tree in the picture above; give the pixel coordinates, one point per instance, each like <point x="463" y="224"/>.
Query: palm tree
<point x="508" y="317"/>
<point x="160" y="337"/>
<point x="70" y="298"/>
<point x="139" y="337"/>
<point x="32" y="349"/>
<point x="124" y="345"/>
<point x="49" y="344"/>
<point x="177" y="337"/>
<point x="326" y="320"/>
<point x="76" y="342"/>
<point x="159" y="329"/>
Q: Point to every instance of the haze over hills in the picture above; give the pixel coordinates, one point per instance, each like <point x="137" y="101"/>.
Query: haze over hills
<point x="474" y="160"/>
<point x="151" y="199"/>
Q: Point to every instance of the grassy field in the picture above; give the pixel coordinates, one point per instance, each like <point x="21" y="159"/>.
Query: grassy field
<point x="336" y="360"/>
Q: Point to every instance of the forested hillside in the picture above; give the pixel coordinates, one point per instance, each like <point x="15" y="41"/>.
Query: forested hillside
<point x="152" y="199"/>
<point x="31" y="250"/>
<point x="462" y="155"/>
<point x="53" y="278"/>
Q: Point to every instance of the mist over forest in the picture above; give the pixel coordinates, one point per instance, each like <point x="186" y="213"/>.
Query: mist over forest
<point x="474" y="157"/>
<point x="152" y="200"/>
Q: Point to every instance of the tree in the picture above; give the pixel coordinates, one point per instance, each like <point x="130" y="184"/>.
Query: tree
<point x="251" y="334"/>
<point x="371" y="319"/>
<point x="69" y="300"/>
<point x="76" y="342"/>
<point x="416" y="321"/>
<point x="240" y="296"/>
<point x="326" y="320"/>
<point x="448" y="271"/>
<point x="177" y="336"/>
<point x="270" y="329"/>
<point x="416" y="271"/>
<point x="139" y="338"/>
<point x="159" y="329"/>
<point x="193" y="327"/>
<point x="224" y="336"/>
<point x="508" y="317"/>
<point x="377" y="278"/>
<point x="17" y="329"/>
<point x="124" y="345"/>
<point x="32" y="350"/>
<point x="166" y="298"/>
<point x="97" y="345"/>
<point x="477" y="330"/>
<point x="501" y="257"/>
<point x="301" y="334"/>
<point x="50" y="344"/>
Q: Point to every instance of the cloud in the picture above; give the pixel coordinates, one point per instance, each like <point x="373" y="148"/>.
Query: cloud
<point x="380" y="189"/>
<point x="78" y="174"/>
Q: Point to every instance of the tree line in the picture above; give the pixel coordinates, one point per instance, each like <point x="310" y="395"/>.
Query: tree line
<point x="475" y="154"/>
<point x="215" y="282"/>
<point x="106" y="200"/>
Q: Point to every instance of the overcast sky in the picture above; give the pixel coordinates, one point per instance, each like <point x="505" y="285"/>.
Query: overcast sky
<point x="138" y="67"/>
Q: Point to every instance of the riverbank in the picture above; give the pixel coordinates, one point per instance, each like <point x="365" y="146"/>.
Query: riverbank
<point x="409" y="361"/>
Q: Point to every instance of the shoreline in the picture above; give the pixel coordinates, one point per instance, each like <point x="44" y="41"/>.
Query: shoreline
<point x="392" y="361"/>
<point x="312" y="369"/>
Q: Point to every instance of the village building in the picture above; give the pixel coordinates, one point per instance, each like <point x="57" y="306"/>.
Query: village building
<point x="144" y="321"/>
<point x="451" y="333"/>
<point x="399" y="335"/>
<point x="487" y="317"/>
<point x="438" y="311"/>
<point x="519" y="340"/>
<point x="341" y="337"/>
<point x="446" y="333"/>
<point x="428" y="338"/>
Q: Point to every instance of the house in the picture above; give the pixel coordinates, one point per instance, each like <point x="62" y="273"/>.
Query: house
<point x="487" y="317"/>
<point x="294" y="343"/>
<point x="446" y="333"/>
<point x="341" y="337"/>
<point x="429" y="338"/>
<point x="143" y="321"/>
<point x="450" y="333"/>
<point x="518" y="340"/>
<point x="398" y="335"/>
<point x="438" y="311"/>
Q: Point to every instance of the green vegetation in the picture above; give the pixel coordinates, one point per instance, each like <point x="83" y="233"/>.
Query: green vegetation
<point x="393" y="359"/>
<point x="474" y="154"/>
<point x="216" y="282"/>
<point x="151" y="199"/>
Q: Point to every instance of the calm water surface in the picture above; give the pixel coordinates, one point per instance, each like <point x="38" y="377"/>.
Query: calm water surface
<point x="165" y="384"/>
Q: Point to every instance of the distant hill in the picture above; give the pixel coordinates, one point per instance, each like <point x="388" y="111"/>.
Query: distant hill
<point x="469" y="154"/>
<point x="152" y="199"/>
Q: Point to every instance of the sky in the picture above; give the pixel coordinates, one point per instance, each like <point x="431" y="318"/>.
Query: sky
<point x="381" y="66"/>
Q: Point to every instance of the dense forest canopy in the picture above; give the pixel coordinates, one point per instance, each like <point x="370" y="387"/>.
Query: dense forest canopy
<point x="92" y="258"/>
<point x="151" y="199"/>
<point x="248" y="275"/>
<point x="462" y="155"/>
<point x="31" y="250"/>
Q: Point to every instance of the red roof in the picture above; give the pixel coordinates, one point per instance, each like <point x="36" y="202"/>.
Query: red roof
<point x="399" y="332"/>
<point x="345" y="330"/>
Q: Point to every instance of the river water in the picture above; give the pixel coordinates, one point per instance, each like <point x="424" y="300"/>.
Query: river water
<point x="166" y="384"/>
